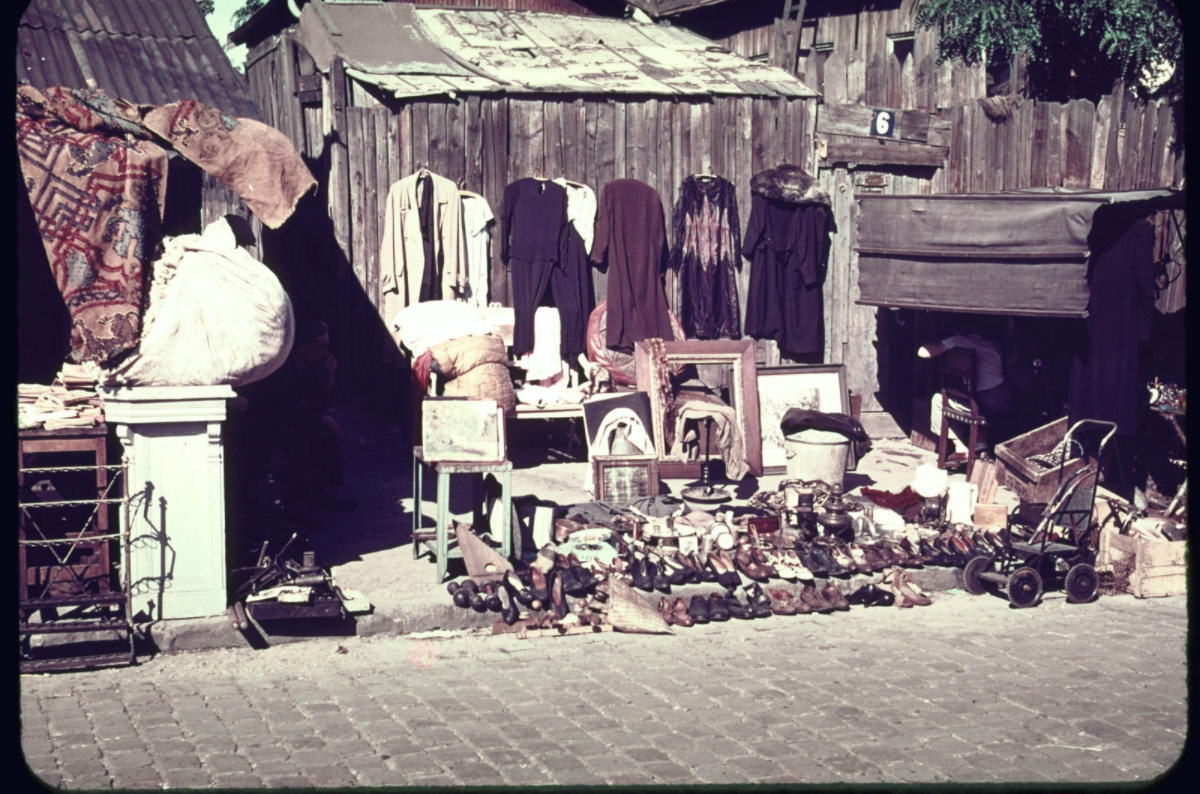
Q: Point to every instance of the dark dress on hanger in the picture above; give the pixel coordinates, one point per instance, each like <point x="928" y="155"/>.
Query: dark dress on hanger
<point x="631" y="241"/>
<point x="705" y="255"/>
<point x="787" y="242"/>
<point x="543" y="251"/>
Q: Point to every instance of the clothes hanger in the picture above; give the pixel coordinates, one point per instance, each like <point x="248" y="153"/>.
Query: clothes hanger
<point x="704" y="176"/>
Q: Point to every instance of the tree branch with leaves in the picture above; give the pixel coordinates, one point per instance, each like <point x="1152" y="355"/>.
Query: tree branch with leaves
<point x="1071" y="44"/>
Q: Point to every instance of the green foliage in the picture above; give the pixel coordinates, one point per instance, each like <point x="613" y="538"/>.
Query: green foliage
<point x="246" y="11"/>
<point x="1062" y="38"/>
<point x="206" y="6"/>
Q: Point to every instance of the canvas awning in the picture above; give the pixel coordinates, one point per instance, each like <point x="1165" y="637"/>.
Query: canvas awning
<point x="1021" y="253"/>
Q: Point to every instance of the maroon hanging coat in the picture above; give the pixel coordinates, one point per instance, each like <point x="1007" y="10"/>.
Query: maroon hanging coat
<point x="631" y="240"/>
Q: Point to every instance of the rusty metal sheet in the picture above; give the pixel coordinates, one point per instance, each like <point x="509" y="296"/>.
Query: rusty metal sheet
<point x="374" y="38"/>
<point x="409" y="86"/>
<point x="145" y="51"/>
<point x="558" y="53"/>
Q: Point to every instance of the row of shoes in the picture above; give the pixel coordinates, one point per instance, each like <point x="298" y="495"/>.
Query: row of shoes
<point x="894" y="588"/>
<point x="956" y="546"/>
<point x="530" y="588"/>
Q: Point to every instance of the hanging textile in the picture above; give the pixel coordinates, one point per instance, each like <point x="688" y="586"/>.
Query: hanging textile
<point x="631" y="242"/>
<point x="477" y="225"/>
<point x="787" y="242"/>
<point x="1105" y="378"/>
<point x="581" y="210"/>
<point x="94" y="167"/>
<point x="423" y="252"/>
<point x="543" y="252"/>
<point x="706" y="251"/>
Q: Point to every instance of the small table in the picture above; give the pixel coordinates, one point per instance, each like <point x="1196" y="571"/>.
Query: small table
<point x="571" y="411"/>
<point x="439" y="534"/>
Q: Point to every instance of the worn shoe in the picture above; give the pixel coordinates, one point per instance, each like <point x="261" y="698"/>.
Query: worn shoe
<point x="738" y="608"/>
<point x="698" y="609"/>
<point x="679" y="613"/>
<point x="508" y="605"/>
<point x="834" y="596"/>
<point x="760" y="603"/>
<point x="746" y="564"/>
<point x="718" y="608"/>
<point x="782" y="602"/>
<point x="902" y="584"/>
<point x="812" y="597"/>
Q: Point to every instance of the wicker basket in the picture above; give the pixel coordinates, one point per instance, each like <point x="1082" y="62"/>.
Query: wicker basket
<point x="629" y="611"/>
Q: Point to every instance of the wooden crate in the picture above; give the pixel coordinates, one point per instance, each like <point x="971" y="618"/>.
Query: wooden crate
<point x="1029" y="482"/>
<point x="1159" y="567"/>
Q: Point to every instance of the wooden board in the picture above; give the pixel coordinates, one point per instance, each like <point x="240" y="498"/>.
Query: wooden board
<point x="881" y="151"/>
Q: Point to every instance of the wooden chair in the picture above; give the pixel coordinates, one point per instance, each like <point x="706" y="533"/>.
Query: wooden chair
<point x="958" y="384"/>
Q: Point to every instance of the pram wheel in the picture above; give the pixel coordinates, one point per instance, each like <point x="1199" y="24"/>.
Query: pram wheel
<point x="972" y="582"/>
<point x="1024" y="587"/>
<point x="1081" y="583"/>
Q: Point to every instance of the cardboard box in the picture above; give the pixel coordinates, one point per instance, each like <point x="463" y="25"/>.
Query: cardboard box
<point x="1159" y="566"/>
<point x="1031" y="483"/>
<point x="990" y="516"/>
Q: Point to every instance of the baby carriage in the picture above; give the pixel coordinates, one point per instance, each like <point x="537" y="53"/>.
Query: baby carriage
<point x="1061" y="552"/>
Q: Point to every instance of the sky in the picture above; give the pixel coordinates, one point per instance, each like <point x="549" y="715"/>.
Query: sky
<point x="220" y="22"/>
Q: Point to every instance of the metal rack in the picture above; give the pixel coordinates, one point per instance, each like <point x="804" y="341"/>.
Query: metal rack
<point x="70" y="583"/>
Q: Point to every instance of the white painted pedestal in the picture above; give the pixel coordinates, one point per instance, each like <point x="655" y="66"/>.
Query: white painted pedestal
<point x="172" y="437"/>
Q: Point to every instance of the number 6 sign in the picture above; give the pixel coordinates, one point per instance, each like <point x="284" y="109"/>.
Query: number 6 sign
<point x="882" y="122"/>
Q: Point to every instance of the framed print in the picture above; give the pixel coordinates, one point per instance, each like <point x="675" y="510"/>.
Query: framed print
<point x="622" y="479"/>
<point x="815" y="387"/>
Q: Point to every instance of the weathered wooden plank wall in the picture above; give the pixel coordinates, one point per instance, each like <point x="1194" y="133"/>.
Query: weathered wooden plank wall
<point x="867" y="54"/>
<point x="1114" y="144"/>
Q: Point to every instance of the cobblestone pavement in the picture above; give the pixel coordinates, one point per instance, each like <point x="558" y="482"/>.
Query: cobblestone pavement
<point x="965" y="690"/>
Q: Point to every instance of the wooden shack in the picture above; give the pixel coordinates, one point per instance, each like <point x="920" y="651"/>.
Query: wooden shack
<point x="485" y="97"/>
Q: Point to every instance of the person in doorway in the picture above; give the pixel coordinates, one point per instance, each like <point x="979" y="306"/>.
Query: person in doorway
<point x="292" y="410"/>
<point x="992" y="393"/>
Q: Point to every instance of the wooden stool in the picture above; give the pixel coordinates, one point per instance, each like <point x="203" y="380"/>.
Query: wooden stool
<point x="439" y="534"/>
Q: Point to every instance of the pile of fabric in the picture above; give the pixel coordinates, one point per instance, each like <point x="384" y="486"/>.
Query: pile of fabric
<point x="94" y="168"/>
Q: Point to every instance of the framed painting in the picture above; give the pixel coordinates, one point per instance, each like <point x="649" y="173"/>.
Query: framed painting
<point x="815" y="387"/>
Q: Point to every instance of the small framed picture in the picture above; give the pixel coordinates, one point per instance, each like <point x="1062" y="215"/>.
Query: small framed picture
<point x="622" y="479"/>
<point x="815" y="387"/>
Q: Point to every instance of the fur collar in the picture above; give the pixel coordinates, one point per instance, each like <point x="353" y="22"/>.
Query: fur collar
<point x="788" y="183"/>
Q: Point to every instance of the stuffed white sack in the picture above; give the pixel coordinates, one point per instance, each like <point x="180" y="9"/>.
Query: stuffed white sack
<point x="216" y="315"/>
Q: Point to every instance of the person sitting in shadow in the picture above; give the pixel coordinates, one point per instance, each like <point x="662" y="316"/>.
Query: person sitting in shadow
<point x="992" y="392"/>
<point x="291" y="413"/>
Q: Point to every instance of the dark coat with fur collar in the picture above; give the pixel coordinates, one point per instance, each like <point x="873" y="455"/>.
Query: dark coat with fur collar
<point x="787" y="242"/>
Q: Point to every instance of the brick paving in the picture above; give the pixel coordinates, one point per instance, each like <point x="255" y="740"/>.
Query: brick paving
<point x="964" y="691"/>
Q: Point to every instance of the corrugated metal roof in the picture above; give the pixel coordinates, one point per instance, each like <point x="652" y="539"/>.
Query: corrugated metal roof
<point x="469" y="51"/>
<point x="145" y="51"/>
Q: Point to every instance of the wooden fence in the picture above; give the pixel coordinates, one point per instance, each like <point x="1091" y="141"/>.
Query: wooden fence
<point x="1115" y="144"/>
